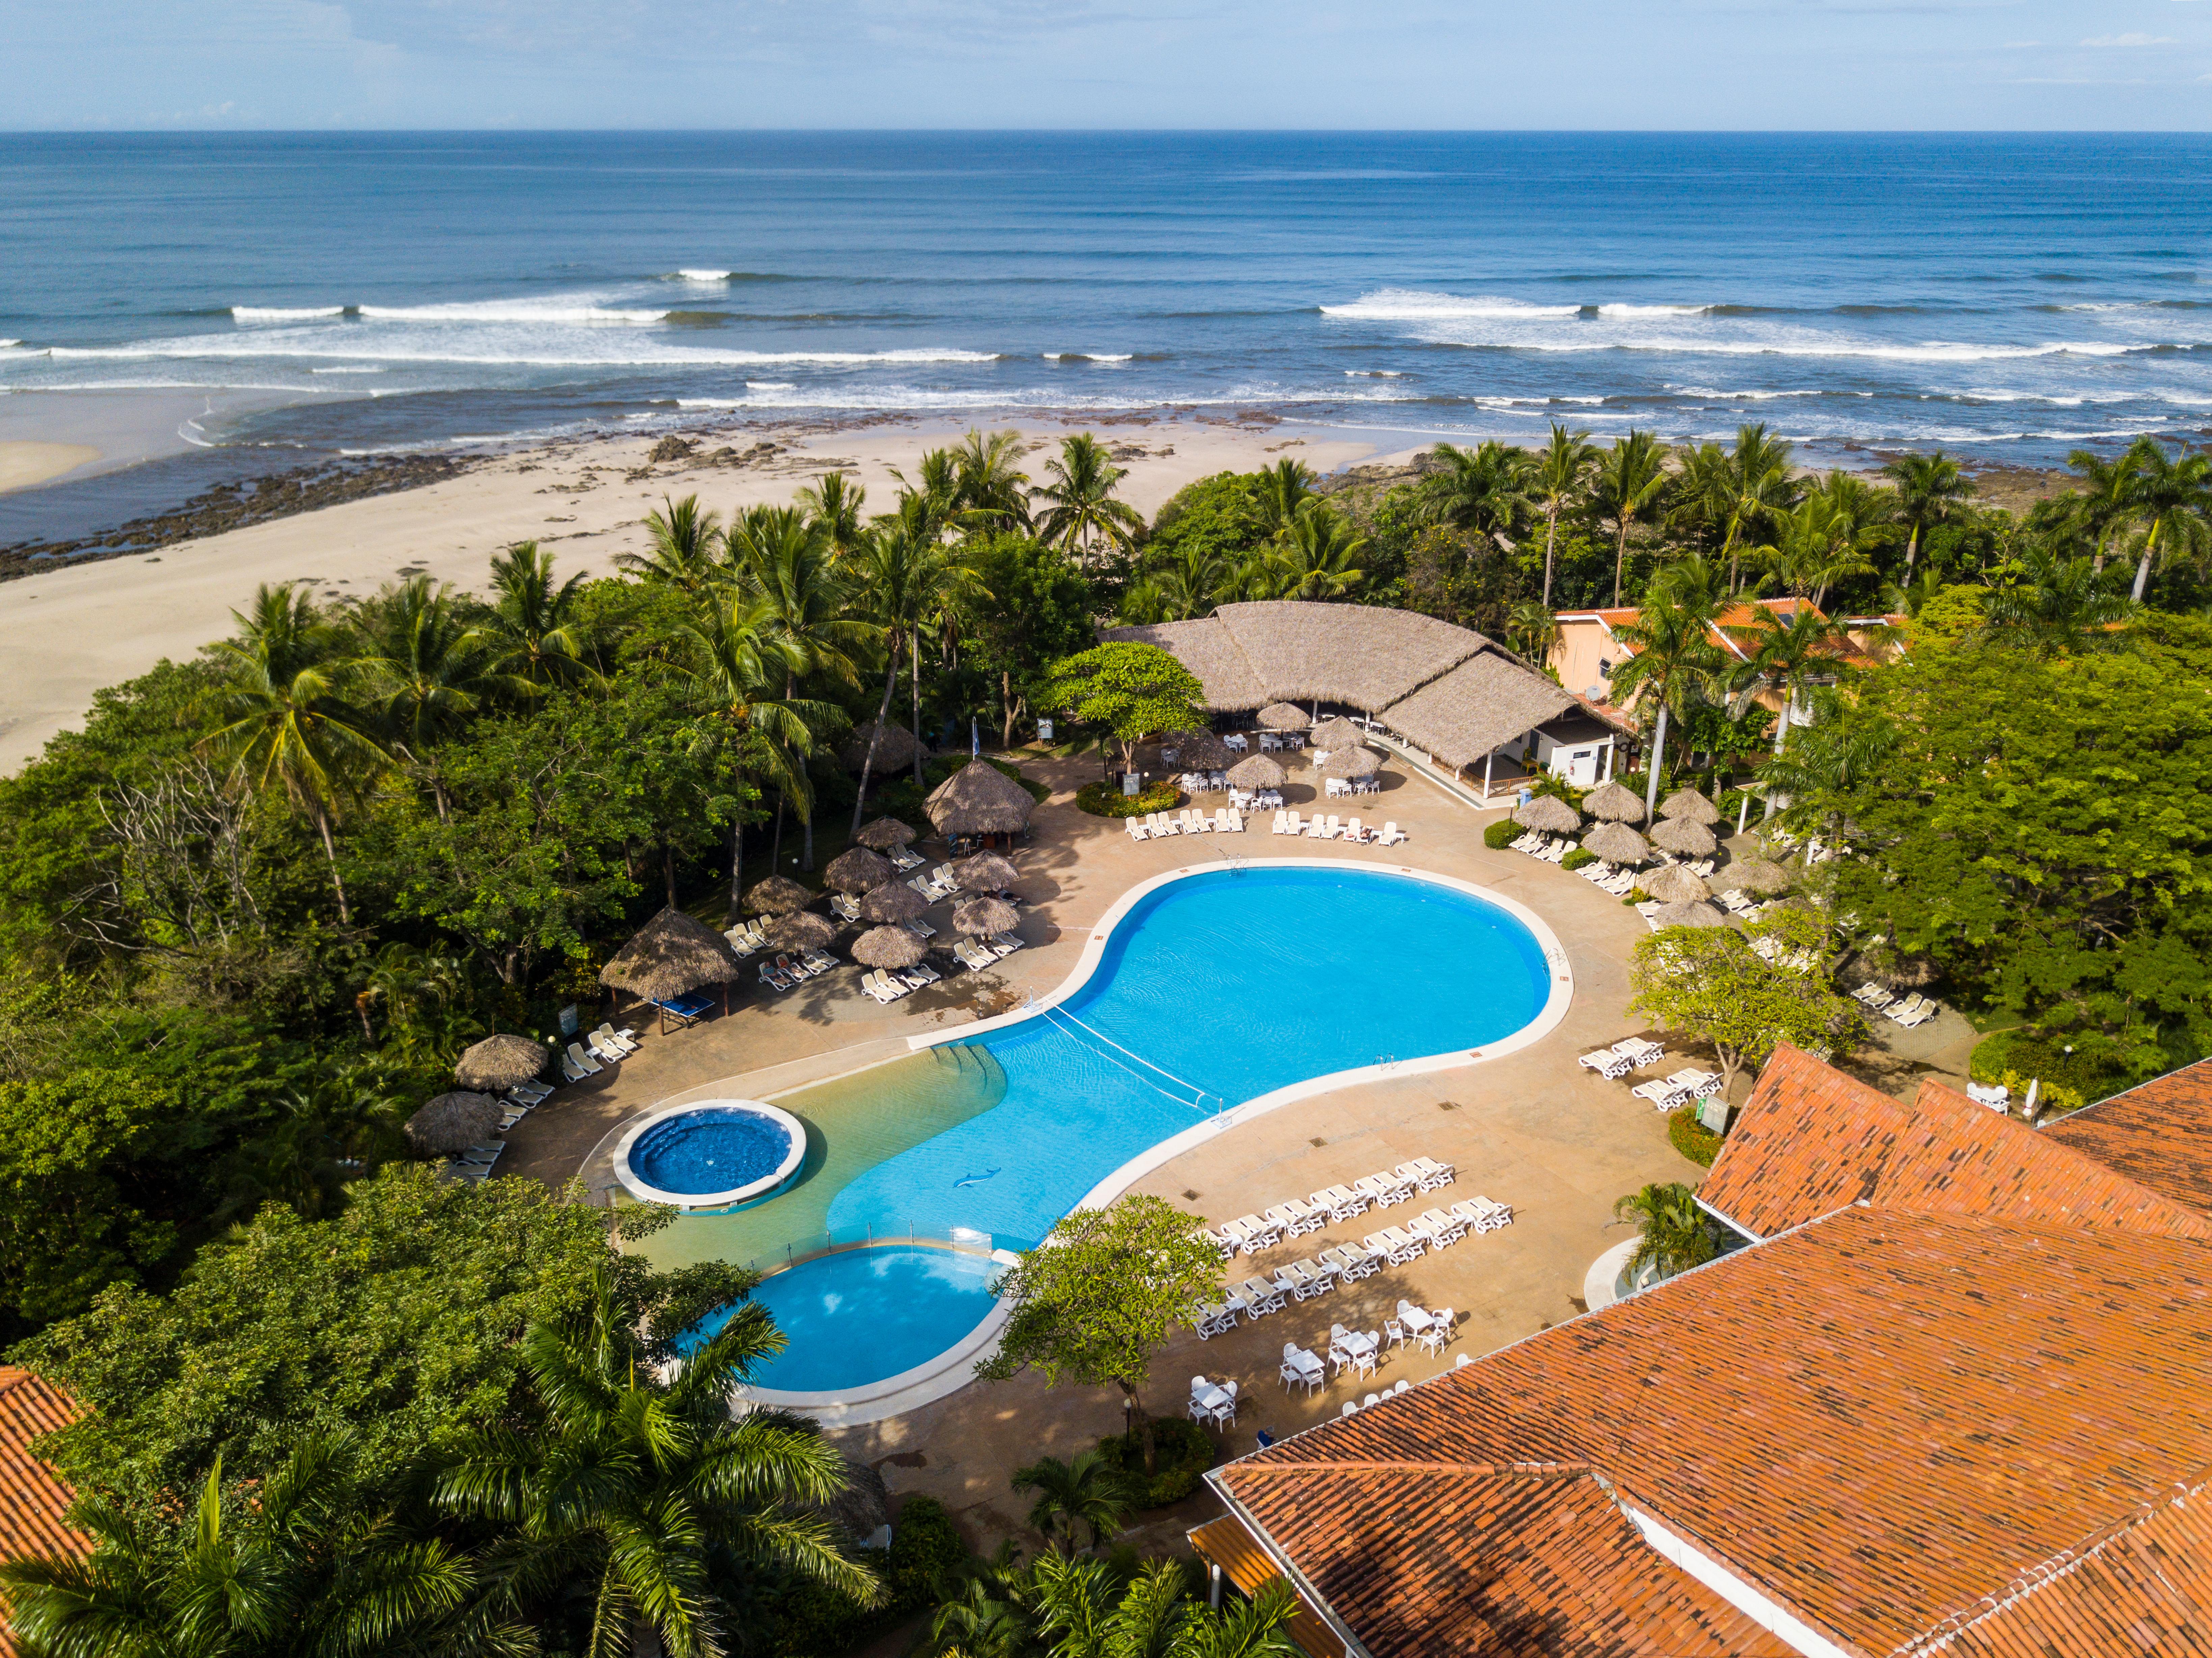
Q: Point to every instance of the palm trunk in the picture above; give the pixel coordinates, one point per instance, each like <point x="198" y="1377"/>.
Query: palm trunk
<point x="737" y="867"/>
<point x="1143" y="1424"/>
<point x="914" y="697"/>
<point x="1006" y="709"/>
<point x="668" y="870"/>
<point x="1620" y="562"/>
<point x="1911" y="550"/>
<point x="1551" y="535"/>
<point x="775" y="847"/>
<point x="1658" y="758"/>
<point x="876" y="736"/>
<point x="806" y="826"/>
<point x="2143" y="570"/>
<point x="330" y="851"/>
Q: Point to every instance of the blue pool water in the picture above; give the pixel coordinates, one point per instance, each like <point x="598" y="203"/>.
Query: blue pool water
<point x="717" y="1150"/>
<point x="867" y="1314"/>
<point x="1213" y="990"/>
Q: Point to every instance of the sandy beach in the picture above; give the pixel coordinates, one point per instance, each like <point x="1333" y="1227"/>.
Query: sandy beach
<point x="22" y="465"/>
<point x="65" y="634"/>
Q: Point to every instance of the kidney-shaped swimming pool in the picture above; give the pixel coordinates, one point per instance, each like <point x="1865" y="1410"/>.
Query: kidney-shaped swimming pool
<point x="1213" y="990"/>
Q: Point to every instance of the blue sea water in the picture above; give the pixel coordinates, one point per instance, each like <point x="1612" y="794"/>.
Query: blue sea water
<point x="2008" y="297"/>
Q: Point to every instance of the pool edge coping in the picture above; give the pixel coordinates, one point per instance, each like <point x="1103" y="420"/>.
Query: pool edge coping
<point x="862" y="1404"/>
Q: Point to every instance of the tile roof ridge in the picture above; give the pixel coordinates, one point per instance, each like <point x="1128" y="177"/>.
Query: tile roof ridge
<point x="1574" y="1469"/>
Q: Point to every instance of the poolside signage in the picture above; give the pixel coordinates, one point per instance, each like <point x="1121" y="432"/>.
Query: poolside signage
<point x="568" y="1020"/>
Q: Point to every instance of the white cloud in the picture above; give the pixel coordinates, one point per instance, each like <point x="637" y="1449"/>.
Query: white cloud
<point x="2137" y="39"/>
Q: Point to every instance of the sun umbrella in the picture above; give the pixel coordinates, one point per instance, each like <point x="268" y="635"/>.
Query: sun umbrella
<point x="888" y="946"/>
<point x="1281" y="716"/>
<point x="1613" y="804"/>
<point x="1688" y="802"/>
<point x="1616" y="843"/>
<point x="1685" y="836"/>
<point x="1335" y="733"/>
<point x="454" y="1122"/>
<point x="1199" y="750"/>
<point x="1550" y="814"/>
<point x="1752" y="875"/>
<point x="985" y="873"/>
<point x="858" y="870"/>
<point x="1688" y="915"/>
<point x="1350" y="763"/>
<point x="802" y="930"/>
<point x="1672" y="883"/>
<point x="985" y="915"/>
<point x="885" y="834"/>
<point x="778" y="895"/>
<point x="893" y="900"/>
<point x="500" y="1062"/>
<point x="1259" y="772"/>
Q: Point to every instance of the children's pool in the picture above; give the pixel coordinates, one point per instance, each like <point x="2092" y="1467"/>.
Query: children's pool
<point x="1215" y="989"/>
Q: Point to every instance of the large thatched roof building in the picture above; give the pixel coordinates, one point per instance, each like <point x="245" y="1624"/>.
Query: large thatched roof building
<point x="1446" y="690"/>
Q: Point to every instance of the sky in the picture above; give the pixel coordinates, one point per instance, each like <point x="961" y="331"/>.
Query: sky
<point x="1304" y="64"/>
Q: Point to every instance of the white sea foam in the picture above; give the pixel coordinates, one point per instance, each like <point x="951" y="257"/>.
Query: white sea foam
<point x="9" y="345"/>
<point x="704" y="276"/>
<point x="1374" y="373"/>
<point x="1619" y="312"/>
<point x="571" y="310"/>
<point x="283" y="314"/>
<point x="350" y="368"/>
<point x="497" y="347"/>
<point x="1087" y="356"/>
<point x="1416" y="305"/>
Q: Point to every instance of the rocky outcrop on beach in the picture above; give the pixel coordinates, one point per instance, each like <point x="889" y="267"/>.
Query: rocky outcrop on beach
<point x="234" y="506"/>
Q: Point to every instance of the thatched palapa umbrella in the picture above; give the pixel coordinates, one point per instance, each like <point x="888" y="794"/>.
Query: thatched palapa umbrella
<point x="1550" y="814"/>
<point x="985" y="873"/>
<point x="1689" y="915"/>
<point x="980" y="800"/>
<point x="1350" y="763"/>
<point x="983" y="916"/>
<point x="895" y="752"/>
<point x="1672" y="883"/>
<point x="1335" y="733"/>
<point x="858" y="870"/>
<point x="1688" y="802"/>
<point x="500" y="1062"/>
<point x="1616" y="843"/>
<point x="1752" y="875"/>
<point x="1199" y="750"/>
<point x="888" y="946"/>
<point x="671" y="955"/>
<point x="802" y="930"/>
<point x="1684" y="835"/>
<point x="778" y="895"/>
<point x="1281" y="716"/>
<point x="1612" y="804"/>
<point x="885" y="834"/>
<point x="893" y="900"/>
<point x="1258" y="771"/>
<point x="454" y="1122"/>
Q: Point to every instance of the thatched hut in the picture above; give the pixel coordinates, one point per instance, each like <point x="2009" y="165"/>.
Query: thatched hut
<point x="985" y="873"/>
<point x="1610" y="803"/>
<point x="895" y="752"/>
<point x="500" y="1062"/>
<point x="885" y="834"/>
<point x="1335" y="733"/>
<point x="983" y="916"/>
<point x="1549" y="814"/>
<point x="1672" y="883"/>
<point x="1688" y="802"/>
<point x="1752" y="875"/>
<point x="671" y="955"/>
<point x="888" y="946"/>
<point x="777" y="896"/>
<point x="893" y="900"/>
<point x="1350" y="763"/>
<point x="1198" y="750"/>
<point x="1281" y="716"/>
<point x="803" y="930"/>
<point x="454" y="1122"/>
<point x="1691" y="914"/>
<point x="1616" y="843"/>
<point x="1685" y="836"/>
<point x="1257" y="772"/>
<point x="858" y="870"/>
<point x="978" y="800"/>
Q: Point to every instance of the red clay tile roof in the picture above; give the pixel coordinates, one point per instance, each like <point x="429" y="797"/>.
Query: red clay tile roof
<point x="32" y="1500"/>
<point x="2158" y="1133"/>
<point x="1429" y="1560"/>
<point x="1811" y="1140"/>
<point x="1888" y="1422"/>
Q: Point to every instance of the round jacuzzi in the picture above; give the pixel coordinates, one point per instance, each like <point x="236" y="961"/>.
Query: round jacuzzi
<point x="710" y="1154"/>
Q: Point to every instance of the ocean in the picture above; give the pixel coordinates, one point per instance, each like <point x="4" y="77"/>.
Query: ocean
<point x="289" y="297"/>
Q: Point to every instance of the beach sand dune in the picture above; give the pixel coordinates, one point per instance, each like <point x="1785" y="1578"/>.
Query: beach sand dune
<point x="65" y="634"/>
<point x="23" y="464"/>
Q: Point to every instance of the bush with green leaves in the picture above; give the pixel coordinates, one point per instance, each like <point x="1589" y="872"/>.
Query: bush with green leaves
<point x="1502" y="834"/>
<point x="1106" y="800"/>
<point x="1692" y="1138"/>
<point x="1580" y="858"/>
<point x="1185" y="1451"/>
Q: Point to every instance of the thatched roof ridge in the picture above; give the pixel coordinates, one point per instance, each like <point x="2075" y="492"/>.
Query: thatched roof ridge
<point x="857" y="869"/>
<point x="1257" y="771"/>
<point x="888" y="946"/>
<point x="1613" y="804"/>
<point x="1335" y="733"/>
<point x="1487" y="700"/>
<point x="671" y="954"/>
<point x="802" y="930"/>
<point x="500" y="1061"/>
<point x="1689" y="915"/>
<point x="885" y="834"/>
<point x="893" y="900"/>
<point x="1209" y="651"/>
<point x="1616" y="843"/>
<point x="1550" y="814"/>
<point x="1350" y="763"/>
<point x="1688" y="802"/>
<point x="1362" y="654"/>
<point x="1281" y="716"/>
<point x="895" y="753"/>
<point x="1685" y="836"/>
<point x="1752" y="875"/>
<point x="986" y="871"/>
<point x="1672" y="883"/>
<point x="984" y="915"/>
<point x="980" y="800"/>
<point x="454" y="1122"/>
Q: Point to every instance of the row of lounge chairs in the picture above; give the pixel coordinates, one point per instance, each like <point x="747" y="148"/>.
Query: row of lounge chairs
<point x="937" y="885"/>
<point x="977" y="953"/>
<point x="887" y="984"/>
<point x="1634" y="1054"/>
<point x="1544" y="847"/>
<point x="1906" y="1011"/>
<point x="1738" y="905"/>
<point x="475" y="1163"/>
<point x="795" y="967"/>
<point x="1767" y="950"/>
<point x="1158" y="825"/>
<point x="1248" y="1234"/>
<point x="1336" y="828"/>
<point x="604" y="1046"/>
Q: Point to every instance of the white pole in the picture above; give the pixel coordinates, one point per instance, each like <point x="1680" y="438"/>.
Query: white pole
<point x="1743" y="817"/>
<point x="1487" y="760"/>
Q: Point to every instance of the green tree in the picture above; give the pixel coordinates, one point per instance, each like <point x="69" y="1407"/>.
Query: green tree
<point x="1629" y="481"/>
<point x="832" y="505"/>
<point x="1089" y="1492"/>
<point x="1930" y="490"/>
<point x="989" y="489"/>
<point x="1742" y="492"/>
<point x="1708" y="984"/>
<point x="1675" y="662"/>
<point x="1314" y="559"/>
<point x="1562" y="472"/>
<point x="1094" y="1301"/>
<point x="2055" y="604"/>
<point x="1219" y="518"/>
<point x="1787" y="654"/>
<point x="2168" y="501"/>
<point x="425" y="671"/>
<point x="1131" y="691"/>
<point x="687" y="547"/>
<point x="1284" y="490"/>
<point x="1081" y="511"/>
<point x="1038" y="610"/>
<point x="1672" y="1233"/>
<point x="538" y="632"/>
<point x="1486" y="490"/>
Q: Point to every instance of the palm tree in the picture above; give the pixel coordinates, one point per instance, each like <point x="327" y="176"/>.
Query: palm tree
<point x="1834" y="758"/>
<point x="1671" y="1236"/>
<point x="1675" y="660"/>
<point x="1089" y="1492"/>
<point x="1314" y="557"/>
<point x="2102" y="508"/>
<point x="1484" y="490"/>
<point x="988" y="1615"/>
<point x="1532" y="629"/>
<point x="1788" y="654"/>
<point x="1284" y="489"/>
<point x="1821" y="543"/>
<point x="988" y="484"/>
<point x="286" y="722"/>
<point x="1631" y="478"/>
<point x="2058" y="605"/>
<point x="2168" y="500"/>
<point x="1751" y="490"/>
<point x="1930" y="490"/>
<point x="687" y="542"/>
<point x="425" y="671"/>
<point x="641" y="1488"/>
<point x="1563" y="467"/>
<point x="1192" y="585"/>
<point x="833" y="505"/>
<point x="1083" y="510"/>
<point x="538" y="632"/>
<point x="905" y="574"/>
<point x="1252" y="1629"/>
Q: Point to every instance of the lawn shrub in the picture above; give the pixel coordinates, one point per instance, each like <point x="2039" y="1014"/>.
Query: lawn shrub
<point x="2069" y="1081"/>
<point x="925" y="1545"/>
<point x="1580" y="858"/>
<point x="1692" y="1138"/>
<point x="1502" y="834"/>
<point x="1105" y="799"/>
<point x="1185" y="1452"/>
<point x="811" y="1620"/>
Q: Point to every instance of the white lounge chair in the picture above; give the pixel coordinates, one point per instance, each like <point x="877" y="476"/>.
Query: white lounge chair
<point x="579" y="1064"/>
<point x="1136" y="828"/>
<point x="1391" y="834"/>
